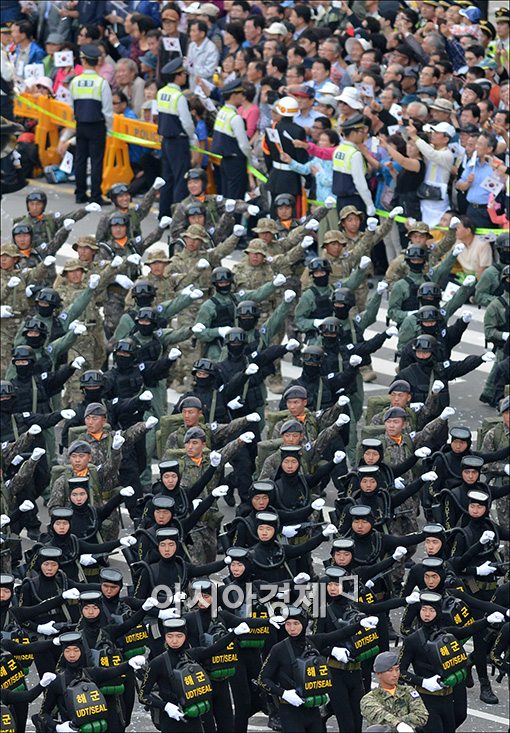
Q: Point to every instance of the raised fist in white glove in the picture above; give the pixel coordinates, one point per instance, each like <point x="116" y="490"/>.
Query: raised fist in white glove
<point x="134" y="259"/>
<point x="198" y="328"/>
<point x="49" y="261"/>
<point x="429" y="476"/>
<point x="253" y="417"/>
<point x="127" y="491"/>
<point x="290" y="531"/>
<point x="224" y="331"/>
<point x="196" y="294"/>
<point x="312" y="225"/>
<point x="343" y="400"/>
<point x="92" y="207"/>
<point x="174" y="354"/>
<point x="128" y="541"/>
<point x="149" y="603"/>
<point x="467" y="317"/>
<point x="68" y="414"/>
<point x="72" y="594"/>
<point x="468" y="281"/>
<point x="215" y="458"/>
<point x="203" y="264"/>
<point x="414" y="597"/>
<point x="165" y="222"/>
<point x="330" y="202"/>
<point x="65" y="727"/>
<point x="392" y="331"/>
<point x="151" y="422"/>
<point x="292" y="345"/>
<point x="372" y="223"/>
<point x="239" y="230"/>
<point x="69" y="224"/>
<point x="124" y="281"/>
<point x="381" y="287"/>
<point x="29" y="291"/>
<point x="355" y="360"/>
<point x="6" y="311"/>
<point x="318" y="504"/>
<point x="47" y="679"/>
<point x="447" y="412"/>
<point x="489" y="357"/>
<point x="369" y="584"/>
<point x="247" y="437"/>
<point x="416" y="406"/>
<point x="168" y="613"/>
<point x="13" y="281"/>
<point x="507" y="469"/>
<point x="251" y="369"/>
<point x="174" y="711"/>
<point x="486" y="537"/>
<point x="399" y="553"/>
<point x="235" y="404"/>
<point x="47" y="629"/>
<point x="87" y="560"/>
<point x="292" y="698"/>
<point x="94" y="281"/>
<point x="485" y="569"/>
<point x="329" y="530"/>
<point x="253" y="210"/>
<point x="158" y="183"/>
<point x="399" y="484"/>
<point x="340" y="654"/>
<point x="432" y="684"/>
<point x="370" y="622"/>
<point x="396" y="211"/>
<point x="495" y="618"/>
<point x="289" y="296"/>
<point x="243" y="628"/>
<point x="318" y="322"/>
<point x="78" y="328"/>
<point x="116" y="262"/>
<point x="279" y="280"/>
<point x="277" y="621"/>
<point x="308" y="241"/>
<point x="364" y="262"/>
<point x="422" y="452"/>
<point x="146" y="396"/>
<point x="458" y="249"/>
<point x="4" y="520"/>
<point x="220" y="491"/>
<point x="78" y="362"/>
<point x="505" y="335"/>
<point x="35" y="430"/>
<point x="342" y="420"/>
<point x="301" y="578"/>
<point x="27" y="505"/>
<point x="137" y="662"/>
<point x="437" y="386"/>
<point x="454" y="222"/>
<point x="230" y="205"/>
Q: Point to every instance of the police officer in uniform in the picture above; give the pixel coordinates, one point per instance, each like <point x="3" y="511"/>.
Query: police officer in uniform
<point x="231" y="141"/>
<point x="176" y="127"/>
<point x="93" y="111"/>
<point x="349" y="168"/>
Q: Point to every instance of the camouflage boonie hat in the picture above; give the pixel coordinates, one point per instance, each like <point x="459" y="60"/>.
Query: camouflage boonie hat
<point x="158" y="255"/>
<point x="421" y="227"/>
<point x="266" y="225"/>
<point x="196" y="231"/>
<point x="344" y="213"/>
<point x="88" y="240"/>
<point x="10" y="250"/>
<point x="334" y="235"/>
<point x="257" y="246"/>
<point x="70" y="265"/>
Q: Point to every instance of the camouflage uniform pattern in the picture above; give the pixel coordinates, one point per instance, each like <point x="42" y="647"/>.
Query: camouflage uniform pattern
<point x="404" y="706"/>
<point x="399" y="269"/>
<point x="136" y="214"/>
<point x="496" y="438"/>
<point x="45" y="227"/>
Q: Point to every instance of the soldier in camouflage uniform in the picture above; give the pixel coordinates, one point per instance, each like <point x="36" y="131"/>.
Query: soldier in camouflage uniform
<point x="195" y="214"/>
<point x="392" y="703"/>
<point x="22" y="236"/>
<point x="15" y="305"/>
<point x="496" y="438"/>
<point x="156" y="261"/>
<point x="45" y="224"/>
<point x="496" y="329"/>
<point x="489" y="284"/>
<point x="419" y="233"/>
<point x="401" y="396"/>
<point x="121" y="198"/>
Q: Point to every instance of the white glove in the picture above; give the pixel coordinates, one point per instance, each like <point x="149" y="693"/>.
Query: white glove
<point x="330" y="202"/>
<point x="47" y="629"/>
<point x="253" y="417"/>
<point x="146" y="396"/>
<point x="253" y="209"/>
<point x="381" y="287"/>
<point x="301" y="578"/>
<point x="158" y="183"/>
<point x="372" y="223"/>
<point x="342" y="420"/>
<point x="312" y="224"/>
<point x="504" y="334"/>
<point x="454" y="222"/>
<point x="29" y="291"/>
<point x="196" y="294"/>
<point x="198" y="328"/>
<point x="49" y="261"/>
<point x="308" y="241"/>
<point x="149" y="603"/>
<point x="437" y="386"/>
<point x="486" y="537"/>
<point x="27" y="505"/>
<point x="399" y="484"/>
<point x="13" y="281"/>
<point x="6" y="311"/>
<point x="87" y="560"/>
<point x="488" y="357"/>
<point x="134" y="259"/>
<point x="239" y="230"/>
<point x="227" y="559"/>
<point x="458" y="249"/>
<point x="243" y="628"/>
<point x="127" y="491"/>
<point x="94" y="281"/>
<point x="165" y="222"/>
<point x="392" y="331"/>
<point x="289" y="296"/>
<point x="224" y="331"/>
<point x="343" y="400"/>
<point x="329" y="530"/>
<point x="174" y="354"/>
<point x="279" y="280"/>
<point x="355" y="360"/>
<point x="47" y="679"/>
<point x="124" y="281"/>
<point x="422" y="452"/>
<point x="399" y="553"/>
<point x="117" y="261"/>
<point x="92" y="207"/>
<point x="174" y="711"/>
<point x="290" y="531"/>
<point x="78" y="362"/>
<point x="203" y="264"/>
<point x="230" y="205"/>
<point x="69" y="224"/>
<point x="168" y="613"/>
<point x="292" y="345"/>
<point x="507" y="469"/>
<point x="235" y="404"/>
<point x="340" y="654"/>
<point x="397" y="211"/>
<point x="17" y="460"/>
<point x="118" y="441"/>
<point x="364" y="262"/>
<point x="413" y="598"/>
<point x="429" y="476"/>
<point x="416" y="406"/>
<point x="128" y="541"/>
<point x="251" y="369"/>
<point x="68" y="414"/>
<point x="447" y="412"/>
<point x="318" y="322"/>
<point x="247" y="437"/>
<point x="137" y="662"/>
<point x="485" y="569"/>
<point x="220" y="491"/>
<point x="215" y="458"/>
<point x="35" y="430"/>
<point x="369" y="584"/>
<point x="404" y="728"/>
<point x="195" y="503"/>
<point x="292" y="698"/>
<point x="65" y="727"/>
<point x="71" y="595"/>
<point x="469" y="280"/>
<point x="277" y="621"/>
<point x="151" y="422"/>
<point x="78" y="328"/>
<point x="432" y="684"/>
<point x="495" y="618"/>
<point x="318" y="504"/>
<point x="4" y="520"/>
<point x="467" y="317"/>
<point x="370" y="622"/>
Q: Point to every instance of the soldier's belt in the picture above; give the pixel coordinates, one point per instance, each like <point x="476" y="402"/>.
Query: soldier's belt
<point x="440" y="693"/>
<point x="492" y="585"/>
<point x="115" y="289"/>
<point x="349" y="667"/>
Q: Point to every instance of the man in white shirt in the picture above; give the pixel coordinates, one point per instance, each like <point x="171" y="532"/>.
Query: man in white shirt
<point x="203" y="55"/>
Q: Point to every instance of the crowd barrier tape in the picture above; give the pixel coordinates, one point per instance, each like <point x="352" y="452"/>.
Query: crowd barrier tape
<point x="53" y="114"/>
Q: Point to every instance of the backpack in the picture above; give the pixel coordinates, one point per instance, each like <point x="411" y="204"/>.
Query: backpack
<point x="222" y="665"/>
<point x="311" y="676"/>
<point x="85" y="704"/>
<point x="447" y="656"/>
<point x="364" y="644"/>
<point x="105" y="654"/>
<point x="191" y="685"/>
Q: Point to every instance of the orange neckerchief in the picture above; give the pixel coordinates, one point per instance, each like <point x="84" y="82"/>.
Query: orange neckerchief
<point x="97" y="436"/>
<point x="26" y="252"/>
<point x="390" y="691"/>
<point x="122" y="242"/>
<point x="83" y="473"/>
<point x="397" y="439"/>
<point x="201" y="198"/>
<point x="286" y="223"/>
<point x="301" y="418"/>
<point x="197" y="461"/>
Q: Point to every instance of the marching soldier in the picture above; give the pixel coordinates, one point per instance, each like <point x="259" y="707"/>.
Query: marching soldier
<point x="490" y="284"/>
<point x="121" y="198"/>
<point x="45" y="225"/>
<point x="495" y="324"/>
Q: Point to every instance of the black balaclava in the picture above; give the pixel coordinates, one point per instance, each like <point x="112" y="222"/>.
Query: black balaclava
<point x="321" y="281"/>
<point x="430" y="330"/>
<point x="25" y="372"/>
<point x="298" y="614"/>
<point x="124" y="363"/>
<point x="341" y="311"/>
<point x="248" y="323"/>
<point x="312" y="370"/>
<point x="433" y="599"/>
<point x="174" y="467"/>
<point x="433" y="565"/>
<point x="146" y="329"/>
<point x="8" y="405"/>
<point x="72" y="639"/>
<point x="45" y="309"/>
<point x="223" y="287"/>
<point x="144" y="300"/>
<point x="416" y="267"/>
<point x="35" y="341"/>
<point x="236" y="350"/>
